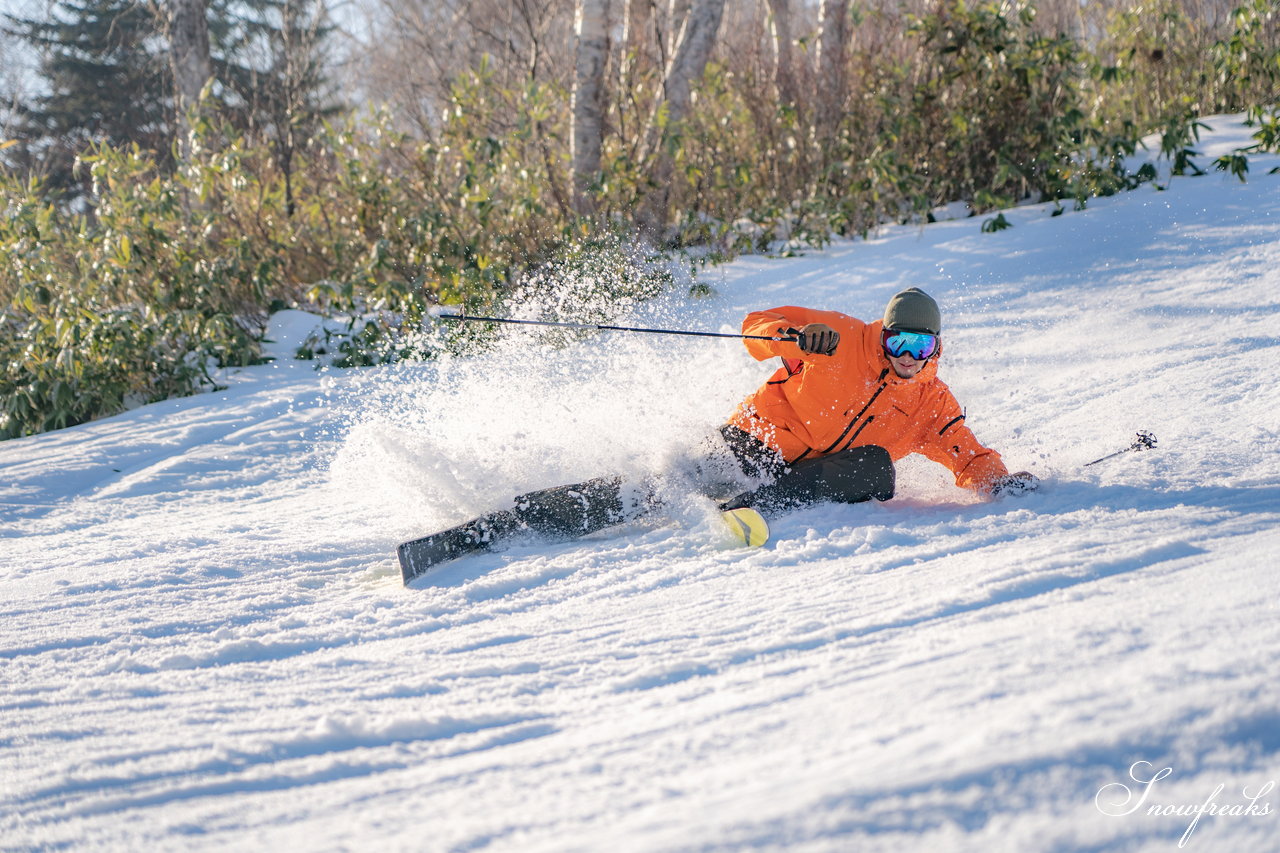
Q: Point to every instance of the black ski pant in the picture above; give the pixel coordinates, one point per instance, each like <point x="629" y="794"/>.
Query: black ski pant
<point x="851" y="476"/>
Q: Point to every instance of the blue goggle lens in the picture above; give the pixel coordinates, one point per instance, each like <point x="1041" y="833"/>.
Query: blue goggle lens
<point x="915" y="344"/>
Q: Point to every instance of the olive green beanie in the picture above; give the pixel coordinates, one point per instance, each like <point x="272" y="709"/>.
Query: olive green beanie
<point x="913" y="310"/>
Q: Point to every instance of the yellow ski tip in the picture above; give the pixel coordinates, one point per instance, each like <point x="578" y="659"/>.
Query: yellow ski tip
<point x="747" y="526"/>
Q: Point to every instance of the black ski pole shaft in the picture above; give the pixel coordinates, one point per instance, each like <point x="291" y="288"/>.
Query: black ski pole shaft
<point x="1105" y="458"/>
<point x="1144" y="441"/>
<point x="604" y="328"/>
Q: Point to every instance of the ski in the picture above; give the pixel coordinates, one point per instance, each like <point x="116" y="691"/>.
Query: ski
<point x="419" y="556"/>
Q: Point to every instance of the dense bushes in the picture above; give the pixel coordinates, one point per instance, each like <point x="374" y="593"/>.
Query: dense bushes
<point x="134" y="305"/>
<point x="171" y="275"/>
<point x="167" y="275"/>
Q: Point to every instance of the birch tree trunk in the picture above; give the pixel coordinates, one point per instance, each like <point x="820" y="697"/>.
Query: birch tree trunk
<point x="693" y="50"/>
<point x="780" y="32"/>
<point x="633" y="21"/>
<point x="631" y="47"/>
<point x="188" y="27"/>
<point x="677" y="14"/>
<point x="587" y="133"/>
<point x="833" y="37"/>
<point x="697" y="38"/>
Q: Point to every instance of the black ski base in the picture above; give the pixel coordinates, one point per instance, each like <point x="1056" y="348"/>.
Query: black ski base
<point x="476" y="536"/>
<point x="556" y="513"/>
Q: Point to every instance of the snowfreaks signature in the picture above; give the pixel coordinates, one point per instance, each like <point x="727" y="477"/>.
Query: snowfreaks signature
<point x="1118" y="799"/>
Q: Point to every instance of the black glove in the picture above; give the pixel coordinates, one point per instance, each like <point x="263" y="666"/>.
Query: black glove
<point x="1017" y="484"/>
<point x="816" y="338"/>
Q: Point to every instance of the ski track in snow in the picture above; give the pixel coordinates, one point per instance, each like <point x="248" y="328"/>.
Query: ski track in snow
<point x="204" y="642"/>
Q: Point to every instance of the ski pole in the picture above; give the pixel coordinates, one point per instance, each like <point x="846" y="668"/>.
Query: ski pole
<point x="1144" y="441"/>
<point x="604" y="328"/>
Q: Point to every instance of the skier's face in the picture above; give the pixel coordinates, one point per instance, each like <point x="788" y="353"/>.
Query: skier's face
<point x="907" y="351"/>
<point x="904" y="365"/>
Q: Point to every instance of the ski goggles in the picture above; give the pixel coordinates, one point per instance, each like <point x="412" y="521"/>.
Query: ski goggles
<point x="918" y="345"/>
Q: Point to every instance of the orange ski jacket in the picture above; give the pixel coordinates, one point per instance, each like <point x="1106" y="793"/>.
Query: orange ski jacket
<point x="815" y="405"/>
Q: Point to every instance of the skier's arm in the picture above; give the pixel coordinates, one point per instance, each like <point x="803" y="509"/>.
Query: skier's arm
<point x="781" y="322"/>
<point x="945" y="439"/>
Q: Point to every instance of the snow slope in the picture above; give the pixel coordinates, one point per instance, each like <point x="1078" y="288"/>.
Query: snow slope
<point x="205" y="645"/>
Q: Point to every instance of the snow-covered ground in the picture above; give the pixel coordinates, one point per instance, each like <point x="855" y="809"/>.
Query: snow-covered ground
<point x="205" y="644"/>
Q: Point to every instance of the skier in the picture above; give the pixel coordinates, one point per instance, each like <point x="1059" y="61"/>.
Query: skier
<point x="850" y="399"/>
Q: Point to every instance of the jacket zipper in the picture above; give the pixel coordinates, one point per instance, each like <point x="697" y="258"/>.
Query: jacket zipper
<point x="856" y="417"/>
<point x="950" y="424"/>
<point x="859" y="432"/>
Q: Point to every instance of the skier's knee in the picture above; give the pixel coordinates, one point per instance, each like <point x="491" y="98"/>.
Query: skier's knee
<point x="882" y="475"/>
<point x="861" y="473"/>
